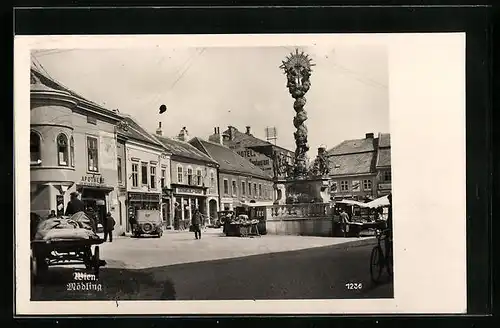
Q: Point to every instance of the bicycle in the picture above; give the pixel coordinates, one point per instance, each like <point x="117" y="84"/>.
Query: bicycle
<point x="378" y="259"/>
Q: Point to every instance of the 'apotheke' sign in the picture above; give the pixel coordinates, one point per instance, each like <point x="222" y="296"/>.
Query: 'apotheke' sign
<point x="93" y="179"/>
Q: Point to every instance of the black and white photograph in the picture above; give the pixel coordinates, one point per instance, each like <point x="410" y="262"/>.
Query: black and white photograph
<point x="184" y="170"/>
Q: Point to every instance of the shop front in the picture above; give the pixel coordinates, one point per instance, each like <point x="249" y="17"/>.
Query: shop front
<point x="186" y="201"/>
<point x="96" y="195"/>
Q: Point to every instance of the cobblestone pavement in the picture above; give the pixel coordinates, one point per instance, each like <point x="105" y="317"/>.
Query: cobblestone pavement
<point x="177" y="266"/>
<point x="176" y="247"/>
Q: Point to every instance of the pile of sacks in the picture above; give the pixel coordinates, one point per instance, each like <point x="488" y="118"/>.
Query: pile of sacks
<point x="76" y="227"/>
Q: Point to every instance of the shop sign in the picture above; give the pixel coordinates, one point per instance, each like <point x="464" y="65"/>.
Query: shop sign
<point x="185" y="190"/>
<point x="92" y="179"/>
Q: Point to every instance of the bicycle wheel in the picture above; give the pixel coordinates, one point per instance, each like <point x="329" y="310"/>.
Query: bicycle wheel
<point x="389" y="264"/>
<point x="376" y="264"/>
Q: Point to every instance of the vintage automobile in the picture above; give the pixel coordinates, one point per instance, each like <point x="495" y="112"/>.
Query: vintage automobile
<point x="149" y="222"/>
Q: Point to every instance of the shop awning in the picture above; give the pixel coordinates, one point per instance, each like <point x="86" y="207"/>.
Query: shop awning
<point x="379" y="202"/>
<point x="106" y="189"/>
<point x="352" y="203"/>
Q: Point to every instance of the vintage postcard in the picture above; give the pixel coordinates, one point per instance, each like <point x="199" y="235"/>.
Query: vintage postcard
<point x="240" y="174"/>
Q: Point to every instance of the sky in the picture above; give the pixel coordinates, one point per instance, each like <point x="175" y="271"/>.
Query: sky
<point x="212" y="87"/>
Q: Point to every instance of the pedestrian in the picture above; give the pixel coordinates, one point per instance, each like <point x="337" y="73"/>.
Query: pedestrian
<point x="75" y="205"/>
<point x="196" y="223"/>
<point x="344" y="221"/>
<point x="109" y="226"/>
<point x="52" y="214"/>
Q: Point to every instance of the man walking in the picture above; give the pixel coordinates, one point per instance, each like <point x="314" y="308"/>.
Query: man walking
<point x="109" y="226"/>
<point x="75" y="205"/>
<point x="196" y="222"/>
<point x="344" y="221"/>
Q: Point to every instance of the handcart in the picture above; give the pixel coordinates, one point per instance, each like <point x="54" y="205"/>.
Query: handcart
<point x="65" y="252"/>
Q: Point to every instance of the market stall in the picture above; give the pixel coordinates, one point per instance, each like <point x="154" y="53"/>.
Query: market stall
<point x="242" y="226"/>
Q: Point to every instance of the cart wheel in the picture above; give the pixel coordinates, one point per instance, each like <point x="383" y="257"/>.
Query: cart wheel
<point x="97" y="262"/>
<point x="160" y="233"/>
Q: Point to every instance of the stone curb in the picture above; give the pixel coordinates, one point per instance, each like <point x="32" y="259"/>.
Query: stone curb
<point x="355" y="243"/>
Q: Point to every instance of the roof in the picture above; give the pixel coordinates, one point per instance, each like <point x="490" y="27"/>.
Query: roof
<point x="184" y="149"/>
<point x="353" y="146"/>
<point x="360" y="163"/>
<point x="384" y="157"/>
<point x="229" y="160"/>
<point x="136" y="132"/>
<point x="43" y="82"/>
<point x="244" y="140"/>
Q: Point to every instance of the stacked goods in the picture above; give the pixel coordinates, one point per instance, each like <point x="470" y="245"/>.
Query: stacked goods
<point x="243" y="220"/>
<point x="77" y="227"/>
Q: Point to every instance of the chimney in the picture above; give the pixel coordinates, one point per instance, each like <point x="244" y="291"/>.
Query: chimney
<point x="216" y="137"/>
<point x="369" y="136"/>
<point x="248" y="129"/>
<point x="159" y="131"/>
<point x="231" y="130"/>
<point x="183" y="135"/>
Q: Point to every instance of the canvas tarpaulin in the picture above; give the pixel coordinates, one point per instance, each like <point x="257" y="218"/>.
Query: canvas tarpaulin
<point x="78" y="227"/>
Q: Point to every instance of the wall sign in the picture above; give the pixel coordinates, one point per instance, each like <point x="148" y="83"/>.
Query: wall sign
<point x="185" y="190"/>
<point x="356" y="185"/>
<point x="93" y="179"/>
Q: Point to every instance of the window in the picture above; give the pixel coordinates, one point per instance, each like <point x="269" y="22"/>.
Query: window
<point x="62" y="149"/>
<point x="243" y="188"/>
<point x="212" y="179"/>
<point x="387" y="176"/>
<point x="260" y="190"/>
<point x="233" y="185"/>
<point x="367" y="184"/>
<point x="255" y="190"/>
<point x="92" y="158"/>
<point x="344" y="185"/>
<point x="190" y="176"/>
<point x="152" y="173"/>
<point x="199" y="178"/>
<point x="144" y="174"/>
<point x="72" y="151"/>
<point x="179" y="174"/>
<point x="226" y="187"/>
<point x="163" y="177"/>
<point x="249" y="189"/>
<point x="119" y="169"/>
<point x="135" y="175"/>
<point x="35" y="146"/>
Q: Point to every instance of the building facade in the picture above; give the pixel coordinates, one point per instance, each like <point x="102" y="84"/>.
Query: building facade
<point x="61" y="122"/>
<point x="383" y="166"/>
<point x="143" y="170"/>
<point x="357" y="167"/>
<point x="193" y="181"/>
<point x="240" y="181"/>
<point x="260" y="152"/>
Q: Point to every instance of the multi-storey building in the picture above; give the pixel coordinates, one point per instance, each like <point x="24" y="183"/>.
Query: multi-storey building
<point x="360" y="168"/>
<point x="72" y="148"/>
<point x="260" y="152"/>
<point x="143" y="169"/>
<point x="240" y="181"/>
<point x="193" y="180"/>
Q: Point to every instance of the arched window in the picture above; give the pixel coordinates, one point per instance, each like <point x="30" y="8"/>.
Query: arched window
<point x="72" y="151"/>
<point x="62" y="149"/>
<point x="35" y="148"/>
